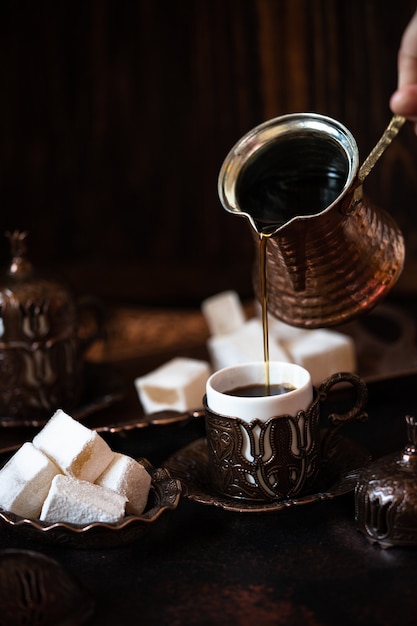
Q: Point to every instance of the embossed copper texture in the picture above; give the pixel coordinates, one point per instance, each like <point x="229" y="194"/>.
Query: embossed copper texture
<point x="41" y="350"/>
<point x="331" y="254"/>
<point x="276" y="459"/>
<point x="386" y="496"/>
<point x="291" y="464"/>
<point x="342" y="460"/>
<point x="36" y="589"/>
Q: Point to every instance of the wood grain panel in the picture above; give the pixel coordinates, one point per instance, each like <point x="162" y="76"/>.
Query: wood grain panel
<point x="116" y="117"/>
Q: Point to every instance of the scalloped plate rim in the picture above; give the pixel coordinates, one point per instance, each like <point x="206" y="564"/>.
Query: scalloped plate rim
<point x="160" y="476"/>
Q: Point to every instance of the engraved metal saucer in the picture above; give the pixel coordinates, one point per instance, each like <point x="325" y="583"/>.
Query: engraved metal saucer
<point x="342" y="463"/>
<point x="164" y="495"/>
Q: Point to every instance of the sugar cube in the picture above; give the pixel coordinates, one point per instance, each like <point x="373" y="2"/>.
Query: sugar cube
<point x="77" y="450"/>
<point x="25" y="481"/>
<point x="179" y="385"/>
<point x="283" y="332"/>
<point x="223" y="313"/>
<point x="81" y="502"/>
<point x="323" y="352"/>
<point x="245" y="344"/>
<point x="129" y="478"/>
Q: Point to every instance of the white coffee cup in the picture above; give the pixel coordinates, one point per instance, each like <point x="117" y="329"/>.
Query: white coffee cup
<point x="259" y="407"/>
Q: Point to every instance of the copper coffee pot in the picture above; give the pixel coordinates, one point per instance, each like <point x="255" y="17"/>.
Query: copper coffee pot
<point x="41" y="344"/>
<point x="331" y="255"/>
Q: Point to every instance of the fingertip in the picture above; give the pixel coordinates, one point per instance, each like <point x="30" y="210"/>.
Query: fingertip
<point x="396" y="101"/>
<point x="404" y="102"/>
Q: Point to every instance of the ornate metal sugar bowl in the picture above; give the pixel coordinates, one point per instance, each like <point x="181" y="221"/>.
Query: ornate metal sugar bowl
<point x="41" y="353"/>
<point x="386" y="496"/>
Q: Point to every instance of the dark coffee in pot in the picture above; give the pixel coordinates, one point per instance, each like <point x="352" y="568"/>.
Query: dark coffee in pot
<point x="257" y="390"/>
<point x="293" y="177"/>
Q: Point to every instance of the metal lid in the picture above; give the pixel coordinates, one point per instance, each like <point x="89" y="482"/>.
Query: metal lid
<point x="386" y="496"/>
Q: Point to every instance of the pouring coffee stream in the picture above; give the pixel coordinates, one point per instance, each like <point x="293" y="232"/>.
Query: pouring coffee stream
<point x="263" y="240"/>
<point x="324" y="254"/>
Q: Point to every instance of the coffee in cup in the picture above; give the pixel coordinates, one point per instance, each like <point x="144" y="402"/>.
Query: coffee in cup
<point x="260" y="389"/>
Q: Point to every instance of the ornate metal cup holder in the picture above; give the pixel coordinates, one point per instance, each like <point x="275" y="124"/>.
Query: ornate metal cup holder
<point x="278" y="458"/>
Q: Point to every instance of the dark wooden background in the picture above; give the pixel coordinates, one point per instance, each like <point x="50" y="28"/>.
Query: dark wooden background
<point x="116" y="116"/>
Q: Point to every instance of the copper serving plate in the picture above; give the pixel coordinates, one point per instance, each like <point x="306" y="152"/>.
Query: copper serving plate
<point x="164" y="495"/>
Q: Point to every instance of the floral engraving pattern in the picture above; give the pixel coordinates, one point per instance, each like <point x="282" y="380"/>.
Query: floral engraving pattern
<point x="264" y="460"/>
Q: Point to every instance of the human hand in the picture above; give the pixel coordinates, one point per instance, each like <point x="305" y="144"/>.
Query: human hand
<point x="404" y="100"/>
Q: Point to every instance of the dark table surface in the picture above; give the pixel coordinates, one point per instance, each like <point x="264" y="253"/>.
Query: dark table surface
<point x="201" y="564"/>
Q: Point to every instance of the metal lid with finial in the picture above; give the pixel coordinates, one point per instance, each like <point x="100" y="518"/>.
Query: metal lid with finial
<point x="34" y="307"/>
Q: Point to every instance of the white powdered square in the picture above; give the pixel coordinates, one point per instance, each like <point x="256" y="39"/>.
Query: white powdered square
<point x="77" y="450"/>
<point x="129" y="478"/>
<point x="25" y="481"/>
<point x="179" y="385"/>
<point x="80" y="502"/>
